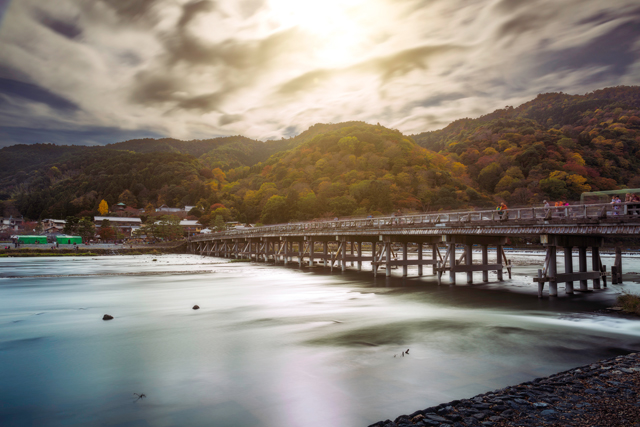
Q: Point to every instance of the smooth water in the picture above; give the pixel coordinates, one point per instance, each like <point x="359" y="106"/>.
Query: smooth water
<point x="275" y="346"/>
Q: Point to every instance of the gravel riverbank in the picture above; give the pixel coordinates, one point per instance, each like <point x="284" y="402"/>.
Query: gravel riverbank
<point x="602" y="394"/>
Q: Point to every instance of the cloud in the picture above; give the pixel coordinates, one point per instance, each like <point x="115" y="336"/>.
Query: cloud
<point x="66" y="28"/>
<point x="191" y="69"/>
<point x="615" y="50"/>
<point x="9" y="87"/>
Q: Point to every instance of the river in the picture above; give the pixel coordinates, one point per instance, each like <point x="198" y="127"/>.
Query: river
<point x="275" y="346"/>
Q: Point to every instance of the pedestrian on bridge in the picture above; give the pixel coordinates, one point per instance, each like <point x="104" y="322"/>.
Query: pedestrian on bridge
<point x="615" y="201"/>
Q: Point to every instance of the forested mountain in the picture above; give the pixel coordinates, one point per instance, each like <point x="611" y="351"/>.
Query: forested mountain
<point x="223" y="152"/>
<point x="555" y="146"/>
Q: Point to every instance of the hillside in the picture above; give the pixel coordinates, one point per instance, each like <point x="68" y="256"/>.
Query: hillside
<point x="223" y="152"/>
<point x="555" y="146"/>
<point x="355" y="170"/>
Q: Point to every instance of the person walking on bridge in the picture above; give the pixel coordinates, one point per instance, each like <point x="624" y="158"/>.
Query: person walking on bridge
<point x="502" y="209"/>
<point x="615" y="201"/>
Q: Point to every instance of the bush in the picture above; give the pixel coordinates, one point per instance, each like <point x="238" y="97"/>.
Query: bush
<point x="629" y="303"/>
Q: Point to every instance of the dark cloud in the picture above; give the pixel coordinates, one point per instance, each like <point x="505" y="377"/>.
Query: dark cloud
<point x="67" y="28"/>
<point x="403" y="62"/>
<point x="604" y="16"/>
<point x="192" y="9"/>
<point x="435" y="100"/>
<point x="89" y="136"/>
<point x="290" y="131"/>
<point x="153" y="88"/>
<point x="132" y="10"/>
<point x="32" y="92"/>
<point x="510" y="6"/>
<point x="227" y="119"/>
<point x="522" y="24"/>
<point x="305" y="81"/>
<point x="204" y="103"/>
<point x="616" y="50"/>
<point x="188" y="48"/>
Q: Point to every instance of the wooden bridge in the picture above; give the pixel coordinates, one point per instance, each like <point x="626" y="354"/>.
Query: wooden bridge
<point x="387" y="241"/>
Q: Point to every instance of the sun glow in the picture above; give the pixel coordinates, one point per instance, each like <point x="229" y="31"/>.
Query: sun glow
<point x="335" y="26"/>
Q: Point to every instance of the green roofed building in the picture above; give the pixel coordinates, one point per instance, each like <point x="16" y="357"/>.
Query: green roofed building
<point x="68" y="240"/>
<point x="30" y="240"/>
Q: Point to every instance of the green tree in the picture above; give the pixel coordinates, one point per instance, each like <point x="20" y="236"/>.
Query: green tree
<point x="554" y="188"/>
<point x="490" y="176"/>
<point x="167" y="227"/>
<point x="275" y="211"/>
<point x="86" y="229"/>
<point x="219" y="223"/>
<point x="308" y="206"/>
<point x="71" y="226"/>
<point x="342" y="206"/>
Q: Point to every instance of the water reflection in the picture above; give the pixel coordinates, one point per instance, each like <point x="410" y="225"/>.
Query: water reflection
<point x="273" y="346"/>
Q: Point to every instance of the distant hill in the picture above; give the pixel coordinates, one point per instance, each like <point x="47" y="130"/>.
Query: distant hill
<point x="555" y="146"/>
<point x="224" y="152"/>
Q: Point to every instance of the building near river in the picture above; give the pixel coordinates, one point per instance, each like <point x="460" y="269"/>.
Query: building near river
<point x="68" y="240"/>
<point x="30" y="240"/>
<point x="125" y="225"/>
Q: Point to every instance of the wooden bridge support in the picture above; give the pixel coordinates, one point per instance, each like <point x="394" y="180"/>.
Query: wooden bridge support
<point x="549" y="272"/>
<point x="616" y="268"/>
<point x="454" y="265"/>
<point x="342" y="250"/>
<point x="383" y="254"/>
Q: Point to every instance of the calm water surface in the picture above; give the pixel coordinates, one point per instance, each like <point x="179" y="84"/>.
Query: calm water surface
<point x="274" y="346"/>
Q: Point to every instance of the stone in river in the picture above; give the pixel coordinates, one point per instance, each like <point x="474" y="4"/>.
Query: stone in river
<point x="107" y="317"/>
<point x="196" y="307"/>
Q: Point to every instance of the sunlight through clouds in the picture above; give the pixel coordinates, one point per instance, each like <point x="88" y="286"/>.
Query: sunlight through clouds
<point x="203" y="68"/>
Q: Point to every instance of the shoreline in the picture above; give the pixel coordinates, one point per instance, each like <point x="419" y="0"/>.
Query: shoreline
<point x="28" y="252"/>
<point x="604" y="393"/>
<point x="91" y="250"/>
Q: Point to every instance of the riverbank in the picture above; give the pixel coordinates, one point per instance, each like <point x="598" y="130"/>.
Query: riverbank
<point x="599" y="394"/>
<point x="92" y="250"/>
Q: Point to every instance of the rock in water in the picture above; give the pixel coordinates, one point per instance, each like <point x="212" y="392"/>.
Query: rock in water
<point x="196" y="307"/>
<point x="107" y="317"/>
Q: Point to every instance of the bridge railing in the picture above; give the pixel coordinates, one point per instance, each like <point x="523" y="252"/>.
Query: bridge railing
<point x="561" y="214"/>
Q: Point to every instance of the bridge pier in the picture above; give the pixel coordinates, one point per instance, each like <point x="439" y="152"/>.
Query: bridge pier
<point x="485" y="261"/>
<point x="374" y="266"/>
<point x="456" y="266"/>
<point x="325" y="246"/>
<point x="405" y="257"/>
<point x="387" y="249"/>
<point x="568" y="267"/>
<point x="553" y="264"/>
<point x="550" y="274"/>
<point x="582" y="262"/>
<point x="469" y="261"/>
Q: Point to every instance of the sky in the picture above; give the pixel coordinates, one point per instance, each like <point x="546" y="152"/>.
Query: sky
<point x="92" y="72"/>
